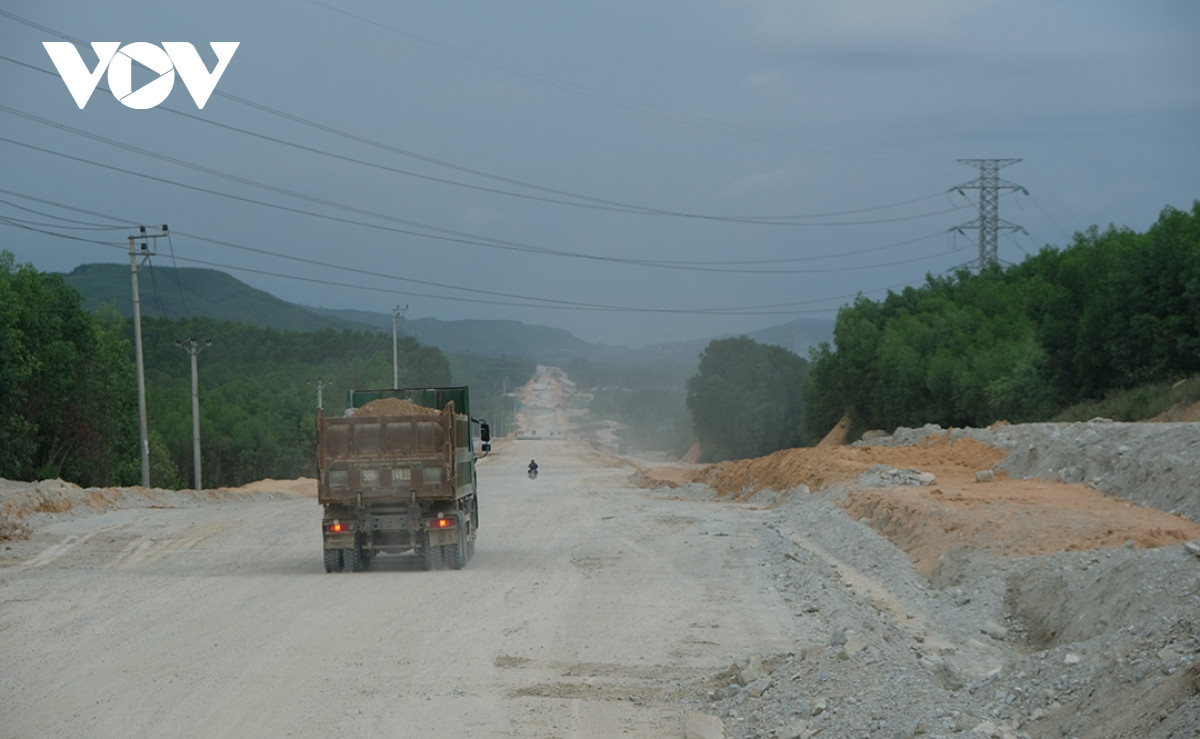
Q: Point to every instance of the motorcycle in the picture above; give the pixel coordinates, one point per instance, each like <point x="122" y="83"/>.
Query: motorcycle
<point x="532" y="473"/>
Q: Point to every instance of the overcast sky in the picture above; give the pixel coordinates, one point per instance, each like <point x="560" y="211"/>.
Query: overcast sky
<point x="635" y="172"/>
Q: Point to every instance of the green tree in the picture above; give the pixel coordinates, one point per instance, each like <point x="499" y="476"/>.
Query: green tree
<point x="746" y="399"/>
<point x="1114" y="310"/>
<point x="257" y="406"/>
<point x="64" y="384"/>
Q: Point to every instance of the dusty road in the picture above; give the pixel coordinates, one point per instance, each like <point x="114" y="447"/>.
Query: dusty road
<point x="587" y="605"/>
<point x="852" y="591"/>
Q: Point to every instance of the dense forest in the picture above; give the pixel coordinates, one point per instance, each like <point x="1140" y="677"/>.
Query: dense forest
<point x="258" y="393"/>
<point x="68" y="403"/>
<point x="68" y="406"/>
<point x="1115" y="310"/>
<point x="746" y="399"/>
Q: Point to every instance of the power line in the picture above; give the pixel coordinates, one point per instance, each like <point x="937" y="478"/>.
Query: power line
<point x="586" y="200"/>
<point x="491" y="295"/>
<point x="698" y="264"/>
<point x="794" y="220"/>
<point x="787" y="308"/>
<point x="64" y="206"/>
<point x="452" y="236"/>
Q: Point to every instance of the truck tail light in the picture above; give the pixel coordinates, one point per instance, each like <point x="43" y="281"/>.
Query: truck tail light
<point x="336" y="527"/>
<point x="442" y="523"/>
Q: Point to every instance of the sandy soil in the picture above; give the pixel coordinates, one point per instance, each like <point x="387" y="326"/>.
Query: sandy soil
<point x="1006" y="516"/>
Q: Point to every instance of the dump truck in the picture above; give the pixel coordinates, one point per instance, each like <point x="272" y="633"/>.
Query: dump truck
<point x="396" y="474"/>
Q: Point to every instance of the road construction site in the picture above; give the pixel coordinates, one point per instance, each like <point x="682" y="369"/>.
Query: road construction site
<point x="1018" y="581"/>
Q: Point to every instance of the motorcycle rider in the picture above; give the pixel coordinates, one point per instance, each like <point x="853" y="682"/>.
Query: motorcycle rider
<point x="533" y="467"/>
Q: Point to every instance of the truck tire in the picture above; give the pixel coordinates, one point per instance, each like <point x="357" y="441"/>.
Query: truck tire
<point x="333" y="560"/>
<point x="353" y="558"/>
<point x="431" y="555"/>
<point x="456" y="553"/>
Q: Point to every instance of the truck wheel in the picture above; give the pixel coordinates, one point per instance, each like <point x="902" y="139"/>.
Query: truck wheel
<point x="353" y="558"/>
<point x="456" y="553"/>
<point x="430" y="554"/>
<point x="333" y="560"/>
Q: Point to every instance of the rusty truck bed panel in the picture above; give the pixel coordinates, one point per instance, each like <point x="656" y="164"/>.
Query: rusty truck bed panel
<point x="393" y="458"/>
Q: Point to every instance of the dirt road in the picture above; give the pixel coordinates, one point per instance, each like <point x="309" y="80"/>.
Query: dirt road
<point x="864" y="591"/>
<point x="587" y="608"/>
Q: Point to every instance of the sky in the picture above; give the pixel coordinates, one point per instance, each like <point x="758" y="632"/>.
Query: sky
<point x="634" y="172"/>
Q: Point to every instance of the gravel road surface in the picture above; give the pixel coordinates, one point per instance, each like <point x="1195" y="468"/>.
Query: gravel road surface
<point x="879" y="604"/>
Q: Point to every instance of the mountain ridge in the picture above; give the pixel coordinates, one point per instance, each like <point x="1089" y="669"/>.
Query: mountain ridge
<point x="175" y="293"/>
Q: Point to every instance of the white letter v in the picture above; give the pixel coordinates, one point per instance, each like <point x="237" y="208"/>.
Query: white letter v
<point x="196" y="77"/>
<point x="81" y="82"/>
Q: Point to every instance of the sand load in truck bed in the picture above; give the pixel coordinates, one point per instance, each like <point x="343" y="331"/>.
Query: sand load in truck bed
<point x="394" y="407"/>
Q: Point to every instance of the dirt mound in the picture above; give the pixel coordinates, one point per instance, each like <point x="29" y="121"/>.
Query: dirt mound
<point x="305" y="487"/>
<point x="925" y="495"/>
<point x="837" y="435"/>
<point x="820" y="466"/>
<point x="1180" y="412"/>
<point x="25" y="505"/>
<point x="394" y="407"/>
<point x="671" y="477"/>
<point x="1010" y="518"/>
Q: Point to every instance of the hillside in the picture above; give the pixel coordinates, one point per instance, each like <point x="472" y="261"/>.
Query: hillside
<point x="477" y="336"/>
<point x="173" y="294"/>
<point x="189" y="292"/>
<point x="796" y="336"/>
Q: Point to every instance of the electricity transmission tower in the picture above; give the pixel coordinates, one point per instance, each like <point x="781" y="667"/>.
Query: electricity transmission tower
<point x="989" y="222"/>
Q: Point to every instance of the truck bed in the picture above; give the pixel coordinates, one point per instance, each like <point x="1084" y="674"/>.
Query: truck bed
<point x="394" y="458"/>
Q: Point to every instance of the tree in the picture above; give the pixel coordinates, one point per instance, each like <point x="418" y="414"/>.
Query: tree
<point x="65" y="385"/>
<point x="1113" y="311"/>
<point x="746" y="399"/>
<point x="257" y="408"/>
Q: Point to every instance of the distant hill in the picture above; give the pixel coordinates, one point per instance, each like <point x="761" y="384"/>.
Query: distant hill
<point x="179" y="293"/>
<point x="797" y="336"/>
<point x="485" y="337"/>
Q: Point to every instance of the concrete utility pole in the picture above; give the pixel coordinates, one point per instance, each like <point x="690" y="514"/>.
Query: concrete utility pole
<point x="146" y="252"/>
<point x="989" y="222"/>
<point x="320" y="385"/>
<point x="193" y="347"/>
<point x="397" y="313"/>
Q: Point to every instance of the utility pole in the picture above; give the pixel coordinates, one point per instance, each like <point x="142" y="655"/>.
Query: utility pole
<point x="989" y="222"/>
<point x="397" y="313"/>
<point x="193" y="347"/>
<point x="503" y="403"/>
<point x="147" y="252"/>
<point x="320" y="385"/>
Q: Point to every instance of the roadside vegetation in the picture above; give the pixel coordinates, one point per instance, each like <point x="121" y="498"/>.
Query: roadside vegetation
<point x="68" y="391"/>
<point x="67" y="402"/>
<point x="1108" y="326"/>
<point x="747" y="399"/>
